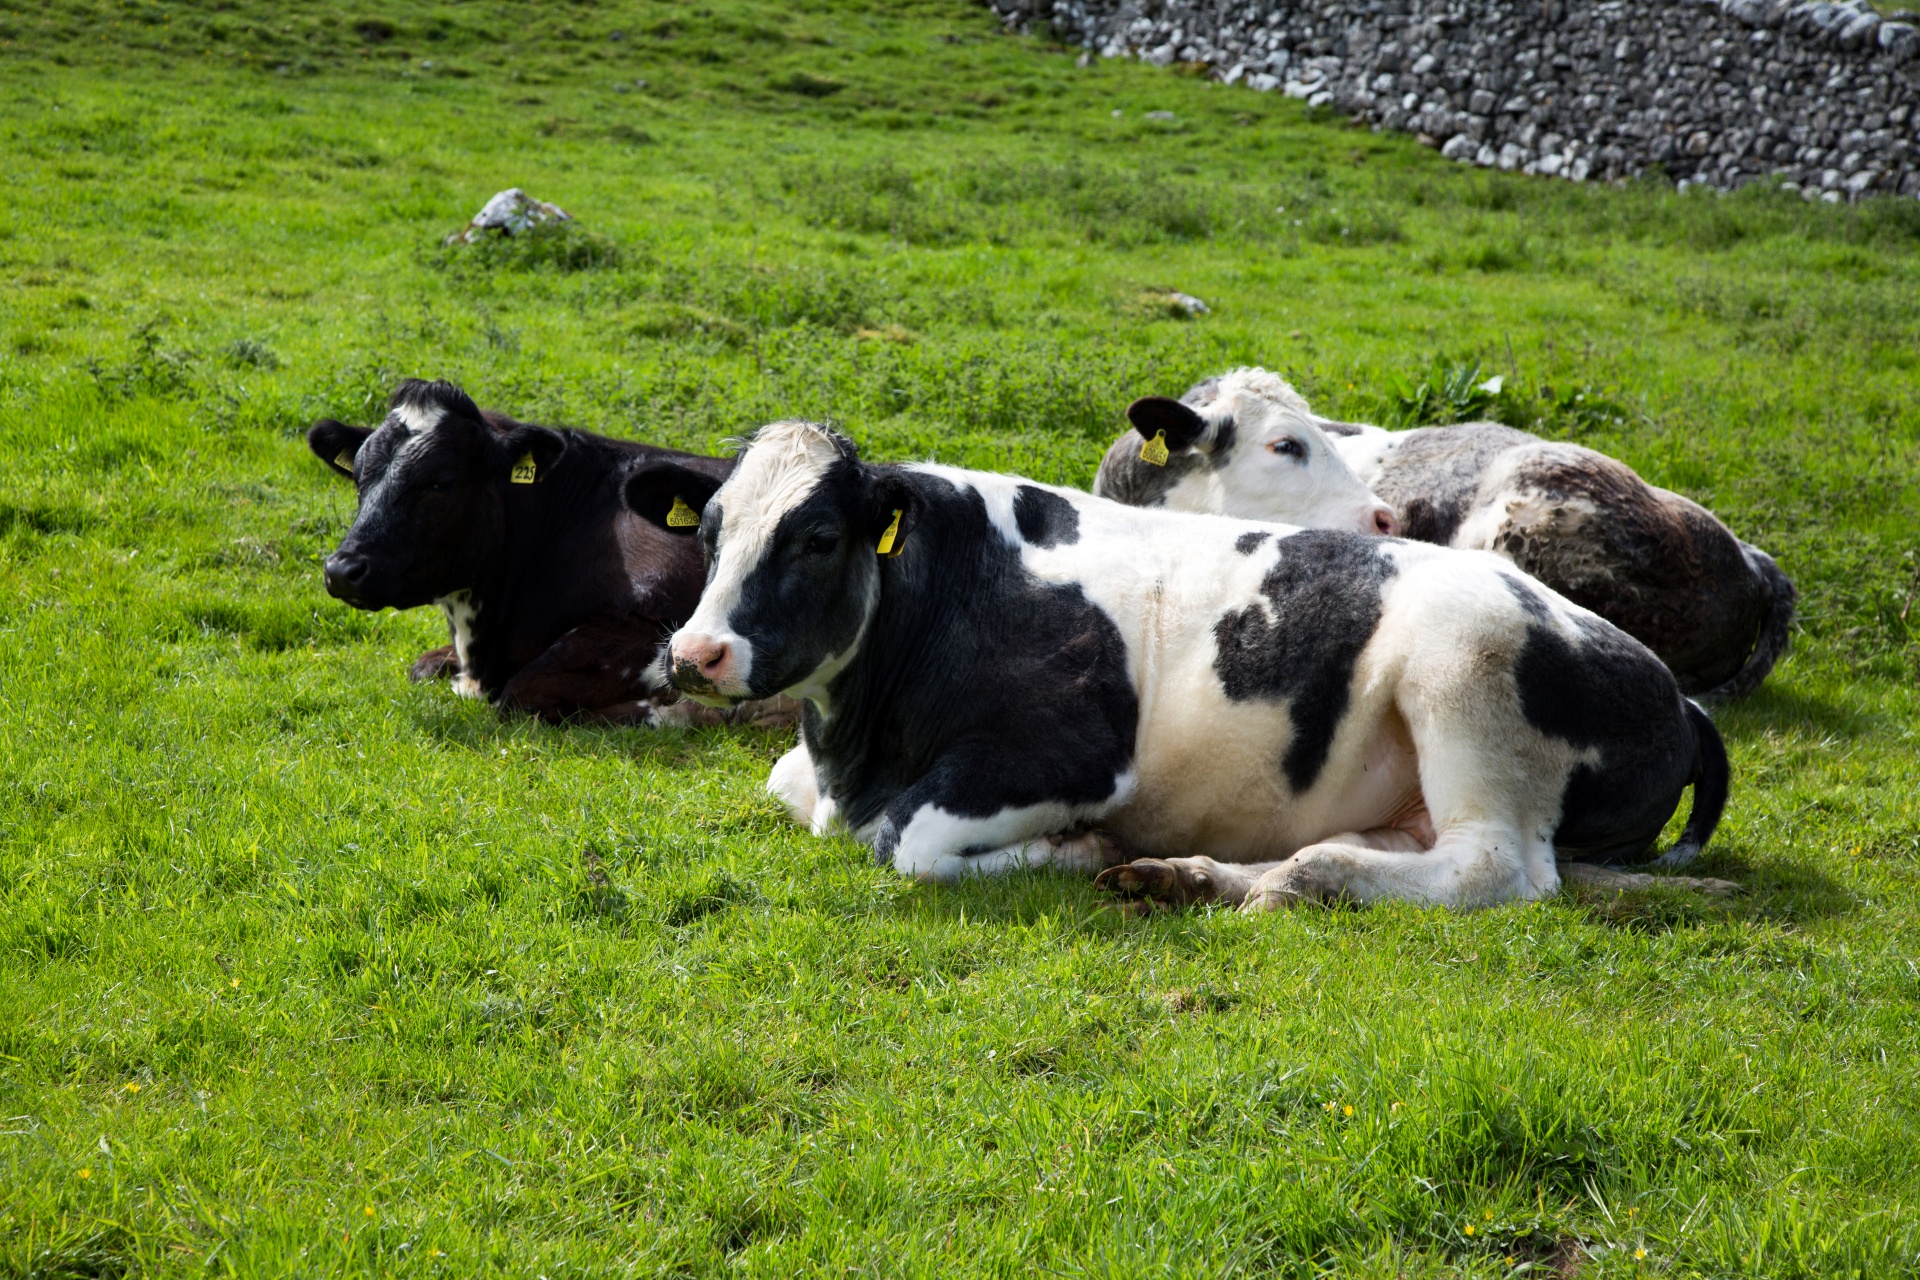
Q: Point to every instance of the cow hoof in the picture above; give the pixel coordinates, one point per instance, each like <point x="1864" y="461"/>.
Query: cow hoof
<point x="1157" y="880"/>
<point x="1270" y="897"/>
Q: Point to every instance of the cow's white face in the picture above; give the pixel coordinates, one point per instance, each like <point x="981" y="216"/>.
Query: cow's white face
<point x="1263" y="455"/>
<point x="792" y="575"/>
<point x="1284" y="468"/>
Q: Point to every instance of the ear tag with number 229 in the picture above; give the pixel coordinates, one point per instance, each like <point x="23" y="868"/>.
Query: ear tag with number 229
<point x="1155" y="450"/>
<point x="890" y="540"/>
<point x="524" y="471"/>
<point x="680" y="515"/>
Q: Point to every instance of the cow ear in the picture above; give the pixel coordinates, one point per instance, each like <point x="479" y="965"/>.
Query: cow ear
<point x="893" y="510"/>
<point x="531" y="453"/>
<point x="1176" y="426"/>
<point x="669" y="495"/>
<point x="337" y="444"/>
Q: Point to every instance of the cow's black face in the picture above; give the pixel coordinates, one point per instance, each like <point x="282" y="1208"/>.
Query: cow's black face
<point x="432" y="482"/>
<point x="793" y="569"/>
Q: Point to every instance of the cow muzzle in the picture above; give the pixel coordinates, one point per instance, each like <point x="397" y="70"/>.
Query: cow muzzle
<point x="1381" y="521"/>
<point x="708" y="668"/>
<point x="346" y="577"/>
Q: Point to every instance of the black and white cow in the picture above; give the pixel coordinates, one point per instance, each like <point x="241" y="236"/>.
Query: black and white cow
<point x="992" y="667"/>
<point x="558" y="598"/>
<point x="1657" y="565"/>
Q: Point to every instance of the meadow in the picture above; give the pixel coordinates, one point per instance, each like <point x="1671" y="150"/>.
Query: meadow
<point x="306" y="970"/>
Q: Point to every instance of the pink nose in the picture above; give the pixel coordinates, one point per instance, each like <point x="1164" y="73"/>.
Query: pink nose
<point x="1383" y="522"/>
<point x="702" y="657"/>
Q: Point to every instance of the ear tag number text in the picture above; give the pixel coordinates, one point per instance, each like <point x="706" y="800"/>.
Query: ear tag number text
<point x="1155" y="450"/>
<point x="890" y="540"/>
<point x="524" y="471"/>
<point x="680" y="515"/>
<point x="343" y="460"/>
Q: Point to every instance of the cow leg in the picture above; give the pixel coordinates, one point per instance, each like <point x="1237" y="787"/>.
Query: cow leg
<point x="1598" y="877"/>
<point x="923" y="833"/>
<point x="593" y="667"/>
<point x="794" y="784"/>
<point x="1471" y="864"/>
<point x="1184" y="881"/>
<point x="435" y="664"/>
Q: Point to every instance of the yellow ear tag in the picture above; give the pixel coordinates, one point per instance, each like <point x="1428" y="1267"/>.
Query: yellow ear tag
<point x="1155" y="450"/>
<point x="891" y="537"/>
<point x="680" y="515"/>
<point x="524" y="471"/>
<point x="343" y="460"/>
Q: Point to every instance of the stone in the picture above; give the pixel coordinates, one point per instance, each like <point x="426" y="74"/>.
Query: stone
<point x="509" y="213"/>
<point x="1721" y="92"/>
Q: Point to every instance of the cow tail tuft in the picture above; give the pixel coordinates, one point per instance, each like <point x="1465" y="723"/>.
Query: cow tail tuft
<point x="1775" y="630"/>
<point x="1710" y="781"/>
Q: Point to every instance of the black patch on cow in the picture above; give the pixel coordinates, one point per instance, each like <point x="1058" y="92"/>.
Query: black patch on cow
<point x="1592" y="686"/>
<point x="1248" y="543"/>
<point x="1045" y="519"/>
<point x="1341" y="429"/>
<point x="1325" y="596"/>
<point x="1431" y="475"/>
<point x="977" y="686"/>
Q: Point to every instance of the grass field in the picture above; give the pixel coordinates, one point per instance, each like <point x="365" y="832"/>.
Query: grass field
<point x="305" y="970"/>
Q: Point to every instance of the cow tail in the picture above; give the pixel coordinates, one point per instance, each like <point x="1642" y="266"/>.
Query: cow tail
<point x="1710" y="780"/>
<point x="1775" y="631"/>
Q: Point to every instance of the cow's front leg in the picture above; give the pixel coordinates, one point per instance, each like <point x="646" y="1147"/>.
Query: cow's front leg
<point x="935" y="830"/>
<point x="435" y="664"/>
<point x="1184" y="881"/>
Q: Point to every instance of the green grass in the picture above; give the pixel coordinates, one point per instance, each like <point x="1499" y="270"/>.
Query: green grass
<point x="306" y="970"/>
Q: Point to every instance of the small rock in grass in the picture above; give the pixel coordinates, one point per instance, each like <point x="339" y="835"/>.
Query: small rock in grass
<point x="509" y="213"/>
<point x="1188" y="303"/>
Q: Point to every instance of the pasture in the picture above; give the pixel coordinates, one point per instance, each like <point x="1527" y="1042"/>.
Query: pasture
<point x="305" y="970"/>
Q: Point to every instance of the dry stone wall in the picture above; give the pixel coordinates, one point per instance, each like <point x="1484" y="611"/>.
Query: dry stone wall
<point x="1820" y="95"/>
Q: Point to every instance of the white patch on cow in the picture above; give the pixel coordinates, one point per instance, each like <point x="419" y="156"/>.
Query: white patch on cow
<point x="461" y="611"/>
<point x="418" y="419"/>
<point x="794" y="784"/>
<point x="933" y="844"/>
<point x="775" y="475"/>
<point x="1366" y="451"/>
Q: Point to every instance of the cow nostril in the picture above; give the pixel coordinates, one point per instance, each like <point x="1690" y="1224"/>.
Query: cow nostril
<point x="355" y="571"/>
<point x="714" y="659"/>
<point x="1385" y="523"/>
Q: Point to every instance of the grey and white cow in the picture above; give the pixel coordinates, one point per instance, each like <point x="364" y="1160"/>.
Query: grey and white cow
<point x="1657" y="565"/>
<point x="991" y="668"/>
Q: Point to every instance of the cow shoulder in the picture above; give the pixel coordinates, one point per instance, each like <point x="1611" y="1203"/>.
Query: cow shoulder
<point x="1432" y="476"/>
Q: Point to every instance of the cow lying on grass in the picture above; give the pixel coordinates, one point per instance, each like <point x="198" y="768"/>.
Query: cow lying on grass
<point x="557" y="597"/>
<point x="990" y="666"/>
<point x="1657" y="565"/>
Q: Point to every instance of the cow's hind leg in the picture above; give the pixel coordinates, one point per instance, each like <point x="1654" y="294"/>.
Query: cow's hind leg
<point x="1471" y="864"/>
<point x="1598" y="877"/>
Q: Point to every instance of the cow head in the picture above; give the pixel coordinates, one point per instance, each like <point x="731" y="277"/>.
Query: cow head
<point x="793" y="569"/>
<point x="1266" y="455"/>
<point x="433" y="481"/>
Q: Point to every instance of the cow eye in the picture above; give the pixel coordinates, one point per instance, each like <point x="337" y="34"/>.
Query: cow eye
<point x="822" y="542"/>
<point x="1287" y="447"/>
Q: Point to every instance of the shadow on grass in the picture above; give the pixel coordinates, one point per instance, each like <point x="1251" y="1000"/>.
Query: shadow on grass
<point x="1770" y="893"/>
<point x="1789" y="710"/>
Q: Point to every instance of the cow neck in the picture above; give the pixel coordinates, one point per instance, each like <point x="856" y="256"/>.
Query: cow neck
<point x="888" y="712"/>
<point x="535" y="584"/>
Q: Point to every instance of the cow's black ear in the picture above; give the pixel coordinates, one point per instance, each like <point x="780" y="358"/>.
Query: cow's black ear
<point x="669" y="495"/>
<point x="336" y="444"/>
<point x="531" y="453"/>
<point x="893" y="510"/>
<point x="1175" y="425"/>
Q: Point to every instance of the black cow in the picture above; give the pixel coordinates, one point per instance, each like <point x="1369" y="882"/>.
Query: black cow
<point x="557" y="597"/>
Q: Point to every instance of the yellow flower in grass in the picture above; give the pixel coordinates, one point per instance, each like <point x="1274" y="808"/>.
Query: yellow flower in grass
<point x="131" y="1086"/>
<point x="369" y="1211"/>
<point x="85" y="1173"/>
<point x="1641" y="1252"/>
<point x="1347" y="1110"/>
<point x="1469" y="1228"/>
